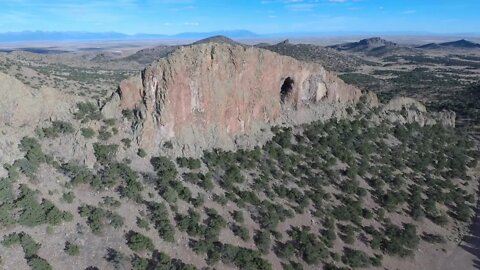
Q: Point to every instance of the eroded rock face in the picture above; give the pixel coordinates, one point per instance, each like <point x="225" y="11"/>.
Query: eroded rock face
<point x="408" y="110"/>
<point x="22" y="109"/>
<point x="208" y="94"/>
<point x="20" y="105"/>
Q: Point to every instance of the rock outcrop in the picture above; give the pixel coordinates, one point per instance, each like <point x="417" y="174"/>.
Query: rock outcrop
<point x="20" y="105"/>
<point x="408" y="110"/>
<point x="22" y="109"/>
<point x="207" y="95"/>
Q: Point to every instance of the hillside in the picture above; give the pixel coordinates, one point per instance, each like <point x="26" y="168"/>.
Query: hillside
<point x="329" y="58"/>
<point x="316" y="174"/>
<point x="458" y="44"/>
<point x="375" y="46"/>
<point x="146" y="56"/>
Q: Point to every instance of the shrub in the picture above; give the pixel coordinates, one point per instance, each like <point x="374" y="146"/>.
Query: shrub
<point x="105" y="153"/>
<point x="141" y="153"/>
<point x="126" y="142"/>
<point x="304" y="244"/>
<point x="238" y="216"/>
<point x="138" y="242"/>
<point x="68" y="197"/>
<point x="159" y="216"/>
<point x="87" y="111"/>
<point x="58" y="127"/>
<point x="241" y="231"/>
<point x="30" y="249"/>
<point x="72" y="249"/>
<point x="33" y="156"/>
<point x="262" y="241"/>
<point x="98" y="217"/>
<point x="165" y="168"/>
<point x="190" y="163"/>
<point x="143" y="223"/>
<point x="88" y="133"/>
<point x="355" y="258"/>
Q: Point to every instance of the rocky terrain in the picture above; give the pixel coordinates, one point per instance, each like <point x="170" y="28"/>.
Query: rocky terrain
<point x="219" y="155"/>
<point x="329" y="58"/>
<point x="203" y="96"/>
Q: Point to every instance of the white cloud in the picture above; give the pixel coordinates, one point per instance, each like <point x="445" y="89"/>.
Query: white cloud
<point x="301" y="7"/>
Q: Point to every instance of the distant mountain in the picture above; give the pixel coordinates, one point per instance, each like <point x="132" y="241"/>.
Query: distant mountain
<point x="28" y="36"/>
<point x="458" y="44"/>
<point x="230" y="34"/>
<point x="365" y="45"/>
<point x="430" y="46"/>
<point x="375" y="46"/>
<point x="58" y="36"/>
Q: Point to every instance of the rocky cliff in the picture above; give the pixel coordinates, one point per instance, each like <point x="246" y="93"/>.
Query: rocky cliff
<point x="210" y="95"/>
<point x="22" y="109"/>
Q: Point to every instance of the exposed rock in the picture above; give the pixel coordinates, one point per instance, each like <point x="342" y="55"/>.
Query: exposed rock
<point x="22" y="109"/>
<point x="404" y="103"/>
<point x="408" y="110"/>
<point x="20" y="105"/>
<point x="213" y="95"/>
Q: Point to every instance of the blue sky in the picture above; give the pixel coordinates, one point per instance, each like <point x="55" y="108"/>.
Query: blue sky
<point x="261" y="16"/>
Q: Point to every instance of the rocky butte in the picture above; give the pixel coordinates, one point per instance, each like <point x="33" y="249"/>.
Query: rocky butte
<point x="221" y="95"/>
<point x="214" y="94"/>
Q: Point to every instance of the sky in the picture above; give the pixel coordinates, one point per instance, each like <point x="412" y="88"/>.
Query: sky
<point x="259" y="16"/>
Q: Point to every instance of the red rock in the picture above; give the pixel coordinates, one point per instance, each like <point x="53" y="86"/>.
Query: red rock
<point x="217" y="91"/>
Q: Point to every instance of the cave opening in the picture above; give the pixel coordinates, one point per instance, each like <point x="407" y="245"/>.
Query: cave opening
<point x="286" y="89"/>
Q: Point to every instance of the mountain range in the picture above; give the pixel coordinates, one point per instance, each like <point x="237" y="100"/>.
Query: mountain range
<point x="29" y="36"/>
<point x="86" y="36"/>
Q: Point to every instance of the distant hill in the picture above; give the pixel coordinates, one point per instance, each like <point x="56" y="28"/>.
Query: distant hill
<point x="430" y="46"/>
<point x="458" y="44"/>
<point x="364" y="45"/>
<point x="149" y="55"/>
<point x="146" y="56"/>
<point x="329" y="58"/>
<point x="372" y="47"/>
<point x="230" y="34"/>
<point x="217" y="39"/>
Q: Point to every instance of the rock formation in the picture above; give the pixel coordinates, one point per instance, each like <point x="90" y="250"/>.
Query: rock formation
<point x="22" y="109"/>
<point x="207" y="95"/>
<point x="408" y="110"/>
<point x="20" y="105"/>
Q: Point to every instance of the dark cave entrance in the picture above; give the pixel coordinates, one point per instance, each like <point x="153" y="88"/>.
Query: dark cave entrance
<point x="286" y="89"/>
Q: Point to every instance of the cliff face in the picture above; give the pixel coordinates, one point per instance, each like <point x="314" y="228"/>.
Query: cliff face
<point x="208" y="94"/>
